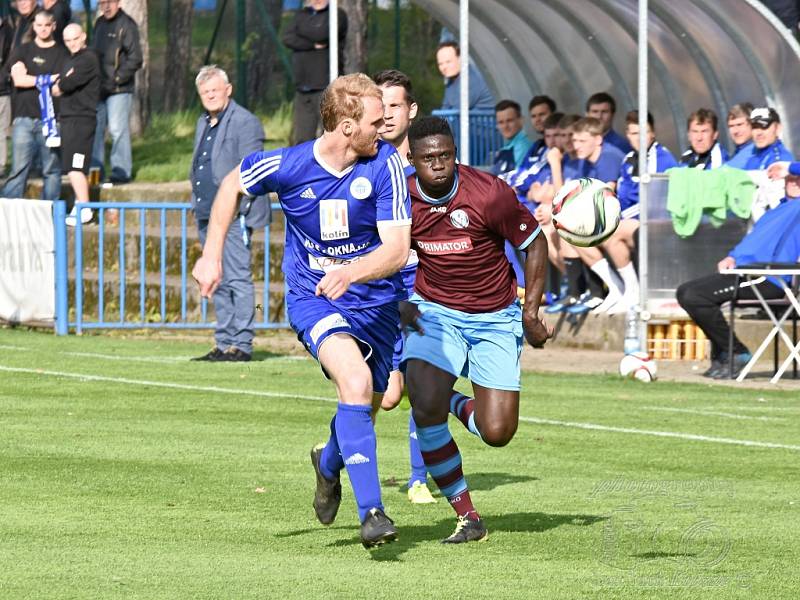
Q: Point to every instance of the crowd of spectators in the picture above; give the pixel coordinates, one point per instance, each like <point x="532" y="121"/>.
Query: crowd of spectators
<point x="59" y="97"/>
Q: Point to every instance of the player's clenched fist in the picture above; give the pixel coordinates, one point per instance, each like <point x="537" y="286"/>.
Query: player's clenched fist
<point x="334" y="284"/>
<point x="537" y="332"/>
<point x="207" y="273"/>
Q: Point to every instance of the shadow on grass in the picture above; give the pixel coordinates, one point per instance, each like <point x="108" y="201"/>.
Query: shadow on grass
<point x="655" y="555"/>
<point x="476" y="481"/>
<point x="411" y="536"/>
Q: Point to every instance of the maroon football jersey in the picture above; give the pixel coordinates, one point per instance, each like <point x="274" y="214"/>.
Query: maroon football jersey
<point x="460" y="242"/>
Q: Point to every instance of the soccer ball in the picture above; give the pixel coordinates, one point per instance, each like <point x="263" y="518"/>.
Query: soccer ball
<point x="638" y="365"/>
<point x="585" y="212"/>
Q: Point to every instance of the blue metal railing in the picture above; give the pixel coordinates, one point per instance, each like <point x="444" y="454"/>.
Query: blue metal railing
<point x="484" y="139"/>
<point x="150" y="314"/>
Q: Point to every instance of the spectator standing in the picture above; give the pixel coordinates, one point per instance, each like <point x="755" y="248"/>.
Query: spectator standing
<point x="78" y="87"/>
<point x="448" y="59"/>
<point x="62" y="13"/>
<point x="508" y="116"/>
<point x="704" y="152"/>
<point x="22" y="22"/>
<point x="766" y="124"/>
<point x="32" y="65"/>
<point x="116" y="41"/>
<point x="224" y="135"/>
<point x="603" y="107"/>
<point x="6" y="36"/>
<point x="741" y="134"/>
<point x="307" y="36"/>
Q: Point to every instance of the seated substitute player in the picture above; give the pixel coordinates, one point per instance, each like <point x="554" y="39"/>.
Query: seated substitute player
<point x="461" y="217"/>
<point x="601" y="161"/>
<point x="769" y="148"/>
<point x="774" y="238"/>
<point x="347" y="236"/>
<point x="741" y="133"/>
<point x="621" y="245"/>
<point x="704" y="152"/>
<point x="399" y="108"/>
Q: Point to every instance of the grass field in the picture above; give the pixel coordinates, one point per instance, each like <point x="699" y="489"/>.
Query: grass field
<point x="128" y="472"/>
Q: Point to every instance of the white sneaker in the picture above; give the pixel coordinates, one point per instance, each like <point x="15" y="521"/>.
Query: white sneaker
<point x="608" y="303"/>
<point x="86" y="216"/>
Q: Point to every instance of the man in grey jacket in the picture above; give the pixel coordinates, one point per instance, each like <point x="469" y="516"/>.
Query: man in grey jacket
<point x="225" y="134"/>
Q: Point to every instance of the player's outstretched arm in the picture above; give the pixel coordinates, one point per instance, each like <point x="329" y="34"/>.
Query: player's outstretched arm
<point x="536" y="331"/>
<point x="385" y="260"/>
<point x="208" y="268"/>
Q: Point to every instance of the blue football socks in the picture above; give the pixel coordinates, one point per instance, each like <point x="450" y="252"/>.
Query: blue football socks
<point x="331" y="460"/>
<point x="356" y="435"/>
<point x="418" y="470"/>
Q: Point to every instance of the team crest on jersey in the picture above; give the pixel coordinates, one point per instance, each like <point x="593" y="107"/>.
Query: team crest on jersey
<point x="334" y="222"/>
<point x="360" y="188"/>
<point x="459" y="219"/>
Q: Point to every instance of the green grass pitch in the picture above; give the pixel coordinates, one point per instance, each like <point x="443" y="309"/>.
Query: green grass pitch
<point x="128" y="472"/>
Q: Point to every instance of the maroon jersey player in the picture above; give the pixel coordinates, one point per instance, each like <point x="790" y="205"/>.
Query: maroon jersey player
<point x="464" y="314"/>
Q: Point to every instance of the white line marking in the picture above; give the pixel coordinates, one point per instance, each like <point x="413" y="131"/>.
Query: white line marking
<point x="572" y="424"/>
<point x="147" y="359"/>
<point x="711" y="413"/>
<point x="163" y="384"/>
<point x="668" y="434"/>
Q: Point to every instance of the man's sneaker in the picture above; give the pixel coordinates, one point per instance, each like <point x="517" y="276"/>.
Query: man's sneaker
<point x="739" y="362"/>
<point x="328" y="494"/>
<point x="584" y="305"/>
<point x="419" y="493"/>
<point x="213" y="355"/>
<point x="233" y="354"/>
<point x="716" y="364"/>
<point x="86" y="215"/>
<point x="377" y="529"/>
<point x="467" y="530"/>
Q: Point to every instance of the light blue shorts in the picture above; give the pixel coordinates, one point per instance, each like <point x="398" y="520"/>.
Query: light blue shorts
<point x="483" y="347"/>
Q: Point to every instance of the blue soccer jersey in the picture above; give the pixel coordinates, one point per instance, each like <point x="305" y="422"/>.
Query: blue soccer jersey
<point x="332" y="217"/>
<point x="606" y="168"/>
<point x="659" y="159"/>
<point x="409" y="272"/>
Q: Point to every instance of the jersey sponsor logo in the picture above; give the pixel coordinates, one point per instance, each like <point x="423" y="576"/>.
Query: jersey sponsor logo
<point x="328" y="264"/>
<point x="360" y="188"/>
<point x="309" y="194"/>
<point x="459" y="219"/>
<point x="356" y="459"/>
<point x="438" y="247"/>
<point x="323" y="325"/>
<point x="334" y="223"/>
<point x="438" y="209"/>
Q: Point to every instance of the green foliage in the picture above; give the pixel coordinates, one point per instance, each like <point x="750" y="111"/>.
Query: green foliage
<point x="164" y="152"/>
<point x="164" y="478"/>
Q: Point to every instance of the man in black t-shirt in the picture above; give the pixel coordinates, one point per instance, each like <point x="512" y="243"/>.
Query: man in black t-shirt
<point x="78" y="87"/>
<point x="42" y="56"/>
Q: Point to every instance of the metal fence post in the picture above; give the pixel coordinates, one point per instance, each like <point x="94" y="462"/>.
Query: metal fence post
<point x="62" y="305"/>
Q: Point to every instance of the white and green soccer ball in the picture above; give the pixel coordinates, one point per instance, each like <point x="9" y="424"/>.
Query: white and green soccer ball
<point x="585" y="212"/>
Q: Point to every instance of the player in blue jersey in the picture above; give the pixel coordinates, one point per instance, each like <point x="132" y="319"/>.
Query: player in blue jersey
<point x="621" y="245"/>
<point x="769" y="148"/>
<point x="399" y="108"/>
<point x="348" y="221"/>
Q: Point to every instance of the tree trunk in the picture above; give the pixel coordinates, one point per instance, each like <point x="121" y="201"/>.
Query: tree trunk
<point x="179" y="55"/>
<point x="140" y="113"/>
<point x="262" y="56"/>
<point x="355" y="53"/>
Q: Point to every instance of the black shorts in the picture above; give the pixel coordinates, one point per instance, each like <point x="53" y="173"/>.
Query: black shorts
<point x="77" y="139"/>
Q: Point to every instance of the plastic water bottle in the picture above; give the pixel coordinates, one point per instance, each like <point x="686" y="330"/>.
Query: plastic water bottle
<point x="631" y="343"/>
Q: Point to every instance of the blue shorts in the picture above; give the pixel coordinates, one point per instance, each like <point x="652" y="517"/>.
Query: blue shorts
<point x="483" y="347"/>
<point x="375" y="329"/>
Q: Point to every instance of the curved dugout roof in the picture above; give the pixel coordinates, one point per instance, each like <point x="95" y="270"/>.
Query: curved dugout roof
<point x="703" y="53"/>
